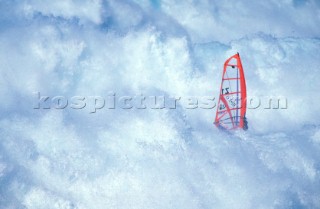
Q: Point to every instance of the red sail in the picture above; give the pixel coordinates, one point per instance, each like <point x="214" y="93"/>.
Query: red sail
<point x="232" y="104"/>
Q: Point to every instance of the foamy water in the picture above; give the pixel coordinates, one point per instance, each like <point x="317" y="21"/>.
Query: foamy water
<point x="157" y="158"/>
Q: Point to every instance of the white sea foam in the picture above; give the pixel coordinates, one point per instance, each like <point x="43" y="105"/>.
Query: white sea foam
<point x="165" y="158"/>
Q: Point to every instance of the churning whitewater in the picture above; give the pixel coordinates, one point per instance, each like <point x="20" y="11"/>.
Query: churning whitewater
<point x="159" y="158"/>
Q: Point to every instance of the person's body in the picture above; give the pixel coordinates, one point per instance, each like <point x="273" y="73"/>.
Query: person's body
<point x="245" y="123"/>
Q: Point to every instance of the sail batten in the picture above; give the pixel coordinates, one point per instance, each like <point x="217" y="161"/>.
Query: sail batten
<point x="231" y="109"/>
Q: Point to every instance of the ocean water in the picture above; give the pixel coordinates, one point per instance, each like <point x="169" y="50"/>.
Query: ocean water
<point x="96" y="151"/>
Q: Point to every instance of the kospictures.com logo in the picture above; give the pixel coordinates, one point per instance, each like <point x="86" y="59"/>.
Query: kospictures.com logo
<point x="140" y="101"/>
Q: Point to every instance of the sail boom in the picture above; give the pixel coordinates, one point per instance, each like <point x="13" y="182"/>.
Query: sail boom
<point x="228" y="79"/>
